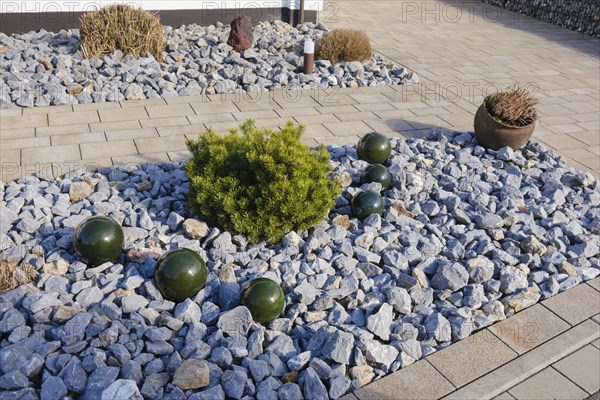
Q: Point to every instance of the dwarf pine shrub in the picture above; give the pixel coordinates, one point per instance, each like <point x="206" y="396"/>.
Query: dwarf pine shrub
<point x="260" y="183"/>
<point x="343" y="45"/>
<point x="121" y="27"/>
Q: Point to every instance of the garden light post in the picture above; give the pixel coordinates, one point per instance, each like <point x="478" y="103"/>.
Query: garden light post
<point x="309" y="56"/>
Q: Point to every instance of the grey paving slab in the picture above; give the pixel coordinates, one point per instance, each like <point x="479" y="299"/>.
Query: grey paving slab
<point x="349" y="396"/>
<point x="78" y="138"/>
<point x="504" y="396"/>
<point x="353" y="128"/>
<point x="595" y="283"/>
<point x="582" y="367"/>
<point x="108" y="149"/>
<point x="404" y="384"/>
<point x="529" y="328"/>
<point x="131" y="134"/>
<point x="576" y="304"/>
<point x="62" y="130"/>
<point x="69" y="118"/>
<point x="50" y="154"/>
<point x="472" y="357"/>
<point x="18" y="133"/>
<point x="528" y="364"/>
<point x="596" y="343"/>
<point x="547" y="384"/>
<point x="123" y="114"/>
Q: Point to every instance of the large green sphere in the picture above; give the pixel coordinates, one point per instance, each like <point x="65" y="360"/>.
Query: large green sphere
<point x="374" y="148"/>
<point x="377" y="173"/>
<point x="367" y="203"/>
<point x="264" y="298"/>
<point x="98" y="240"/>
<point x="180" y="274"/>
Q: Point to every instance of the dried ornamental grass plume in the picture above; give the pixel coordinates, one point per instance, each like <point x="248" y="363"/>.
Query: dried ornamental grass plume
<point x="261" y="183"/>
<point x="13" y="275"/>
<point x="121" y="27"/>
<point x="343" y="45"/>
<point x="515" y="107"/>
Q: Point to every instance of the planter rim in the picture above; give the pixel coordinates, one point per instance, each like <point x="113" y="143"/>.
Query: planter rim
<point x="502" y="124"/>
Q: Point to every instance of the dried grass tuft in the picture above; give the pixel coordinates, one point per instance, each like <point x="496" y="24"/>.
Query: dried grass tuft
<point x="122" y="27"/>
<point x="515" y="107"/>
<point x="13" y="275"/>
<point x="343" y="45"/>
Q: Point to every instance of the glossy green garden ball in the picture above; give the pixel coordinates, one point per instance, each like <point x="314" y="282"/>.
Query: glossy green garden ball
<point x="98" y="240"/>
<point x="264" y="298"/>
<point x="180" y="274"/>
<point x="374" y="148"/>
<point x="377" y="173"/>
<point x="367" y="203"/>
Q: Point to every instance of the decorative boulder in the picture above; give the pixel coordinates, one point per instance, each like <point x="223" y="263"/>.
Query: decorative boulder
<point x="241" y="37"/>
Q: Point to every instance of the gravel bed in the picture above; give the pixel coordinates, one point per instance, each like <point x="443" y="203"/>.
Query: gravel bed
<point x="43" y="68"/>
<point x="468" y="237"/>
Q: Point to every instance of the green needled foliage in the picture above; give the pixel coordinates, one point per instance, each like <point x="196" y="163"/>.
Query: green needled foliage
<point x="260" y="183"/>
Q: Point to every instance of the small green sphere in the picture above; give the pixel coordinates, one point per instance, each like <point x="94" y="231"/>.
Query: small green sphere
<point x="374" y="148"/>
<point x="180" y="274"/>
<point x="98" y="240"/>
<point x="264" y="298"/>
<point x="377" y="173"/>
<point x="367" y="203"/>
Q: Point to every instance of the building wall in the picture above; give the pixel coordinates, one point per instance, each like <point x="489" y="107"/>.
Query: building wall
<point x="579" y="15"/>
<point x="23" y="16"/>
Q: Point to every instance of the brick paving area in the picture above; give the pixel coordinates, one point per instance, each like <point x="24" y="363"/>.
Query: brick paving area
<point x="461" y="51"/>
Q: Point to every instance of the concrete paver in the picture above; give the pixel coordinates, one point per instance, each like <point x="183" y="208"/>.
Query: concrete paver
<point x="583" y="368"/>
<point x="62" y="130"/>
<point x="548" y="384"/>
<point x="471" y="358"/>
<point x="575" y="305"/>
<point x="108" y="149"/>
<point x="42" y="155"/>
<point x="504" y="396"/>
<point x="529" y="328"/>
<point x="78" y="138"/>
<point x="123" y="114"/>
<point x="70" y="118"/>
<point x="519" y="369"/>
<point x="401" y="385"/>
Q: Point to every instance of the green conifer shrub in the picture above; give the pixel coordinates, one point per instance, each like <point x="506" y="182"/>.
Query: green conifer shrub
<point x="260" y="183"/>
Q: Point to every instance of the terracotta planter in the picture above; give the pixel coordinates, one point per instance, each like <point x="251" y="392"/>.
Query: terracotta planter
<point x="495" y="135"/>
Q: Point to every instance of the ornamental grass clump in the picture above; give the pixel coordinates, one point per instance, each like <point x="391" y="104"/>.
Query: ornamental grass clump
<point x="13" y="275"/>
<point x="122" y="27"/>
<point x="515" y="107"/>
<point x="260" y="183"/>
<point x="343" y="45"/>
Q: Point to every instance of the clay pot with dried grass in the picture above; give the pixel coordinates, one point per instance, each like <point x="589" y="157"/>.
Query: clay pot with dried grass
<point x="506" y="119"/>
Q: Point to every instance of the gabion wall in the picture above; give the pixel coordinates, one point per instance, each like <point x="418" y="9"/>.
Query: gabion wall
<point x="579" y="15"/>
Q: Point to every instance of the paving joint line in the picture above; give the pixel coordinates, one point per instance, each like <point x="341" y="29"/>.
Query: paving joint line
<point x="566" y="377"/>
<point x="559" y="317"/>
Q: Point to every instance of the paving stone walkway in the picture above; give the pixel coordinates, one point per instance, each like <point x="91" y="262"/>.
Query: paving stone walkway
<point x="461" y="50"/>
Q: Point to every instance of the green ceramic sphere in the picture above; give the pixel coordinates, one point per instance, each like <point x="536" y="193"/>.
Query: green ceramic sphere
<point x="180" y="274"/>
<point x="98" y="240"/>
<point x="377" y="173"/>
<point x="374" y="148"/>
<point x="264" y="298"/>
<point x="367" y="203"/>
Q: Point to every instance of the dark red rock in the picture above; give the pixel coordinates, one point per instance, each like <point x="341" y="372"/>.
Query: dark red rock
<point x="241" y="37"/>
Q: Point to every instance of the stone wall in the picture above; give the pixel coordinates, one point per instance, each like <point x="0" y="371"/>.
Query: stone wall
<point x="579" y="15"/>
